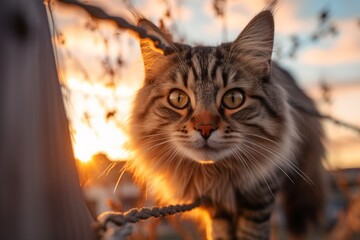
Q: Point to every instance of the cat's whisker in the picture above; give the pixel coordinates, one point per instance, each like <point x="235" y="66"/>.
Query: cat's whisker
<point x="142" y="126"/>
<point x="262" y="175"/>
<point x="108" y="169"/>
<point x="152" y="146"/>
<point x="151" y="139"/>
<point x="268" y="158"/>
<point x="150" y="135"/>
<point x="160" y="155"/>
<point x="142" y="138"/>
<point x="164" y="149"/>
<point x="243" y="161"/>
<point x="155" y="139"/>
<point x="163" y="152"/>
<point x="251" y="158"/>
<point x="269" y="140"/>
<point x="264" y="138"/>
<point x="119" y="178"/>
<point x="268" y="149"/>
<point x="175" y="154"/>
<point x="287" y="162"/>
<point x="237" y="153"/>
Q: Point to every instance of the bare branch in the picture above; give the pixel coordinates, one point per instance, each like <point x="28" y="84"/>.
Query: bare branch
<point x="98" y="13"/>
<point x="326" y="117"/>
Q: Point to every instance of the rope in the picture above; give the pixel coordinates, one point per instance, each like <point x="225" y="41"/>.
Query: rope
<point x="135" y="215"/>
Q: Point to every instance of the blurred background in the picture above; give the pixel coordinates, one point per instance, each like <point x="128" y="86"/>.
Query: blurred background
<point x="100" y="69"/>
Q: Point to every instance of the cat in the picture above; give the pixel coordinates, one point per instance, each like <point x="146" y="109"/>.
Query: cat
<point x="220" y="123"/>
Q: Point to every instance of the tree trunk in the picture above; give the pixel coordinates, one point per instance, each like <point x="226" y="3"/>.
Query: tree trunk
<point x="40" y="195"/>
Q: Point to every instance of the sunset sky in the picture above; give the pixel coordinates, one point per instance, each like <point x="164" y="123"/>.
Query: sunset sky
<point x="98" y="105"/>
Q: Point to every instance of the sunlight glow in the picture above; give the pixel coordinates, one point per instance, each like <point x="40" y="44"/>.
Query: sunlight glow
<point x="203" y="219"/>
<point x="98" y="119"/>
<point x="111" y="142"/>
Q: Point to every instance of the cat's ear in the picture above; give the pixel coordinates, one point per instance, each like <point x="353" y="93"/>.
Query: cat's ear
<point x="149" y="53"/>
<point x="254" y="45"/>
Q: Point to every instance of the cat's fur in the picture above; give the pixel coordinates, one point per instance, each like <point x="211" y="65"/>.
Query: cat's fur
<point x="237" y="158"/>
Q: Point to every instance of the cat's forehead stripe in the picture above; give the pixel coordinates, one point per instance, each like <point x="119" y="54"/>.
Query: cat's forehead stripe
<point x="180" y="78"/>
<point x="204" y="62"/>
<point x="225" y="77"/>
<point x="218" y="57"/>
<point x="204" y="58"/>
<point x="191" y="78"/>
<point x="212" y="66"/>
<point x="174" y="76"/>
<point x="185" y="78"/>
<point x="193" y="65"/>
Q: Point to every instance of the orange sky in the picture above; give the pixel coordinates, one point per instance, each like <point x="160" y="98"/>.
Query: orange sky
<point x="343" y="145"/>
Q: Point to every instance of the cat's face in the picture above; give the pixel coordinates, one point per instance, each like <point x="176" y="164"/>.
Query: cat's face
<point x="210" y="103"/>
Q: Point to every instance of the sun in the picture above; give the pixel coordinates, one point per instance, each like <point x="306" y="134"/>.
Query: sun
<point x="111" y="142"/>
<point x="83" y="146"/>
<point x="93" y="131"/>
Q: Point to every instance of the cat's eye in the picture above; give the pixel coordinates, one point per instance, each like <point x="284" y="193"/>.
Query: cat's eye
<point x="233" y="98"/>
<point x="178" y="99"/>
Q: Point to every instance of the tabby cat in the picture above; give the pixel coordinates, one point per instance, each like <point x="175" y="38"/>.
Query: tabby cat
<point x="220" y="123"/>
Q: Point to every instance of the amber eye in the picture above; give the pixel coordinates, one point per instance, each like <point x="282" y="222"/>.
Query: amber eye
<point x="178" y="99"/>
<point x="233" y="98"/>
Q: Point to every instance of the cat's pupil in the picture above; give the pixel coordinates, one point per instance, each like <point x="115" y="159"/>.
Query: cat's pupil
<point x="232" y="97"/>
<point x="178" y="99"/>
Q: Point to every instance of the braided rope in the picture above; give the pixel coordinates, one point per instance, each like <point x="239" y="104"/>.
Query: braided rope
<point x="135" y="215"/>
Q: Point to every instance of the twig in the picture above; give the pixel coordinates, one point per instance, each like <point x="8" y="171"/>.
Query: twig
<point x="317" y="114"/>
<point x="98" y="13"/>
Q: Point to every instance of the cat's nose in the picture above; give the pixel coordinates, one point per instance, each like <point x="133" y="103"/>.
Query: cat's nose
<point x="205" y="129"/>
<point x="205" y="122"/>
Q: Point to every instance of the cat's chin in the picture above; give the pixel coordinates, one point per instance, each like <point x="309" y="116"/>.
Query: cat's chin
<point x="206" y="155"/>
<point x="208" y="161"/>
<point x="202" y="151"/>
